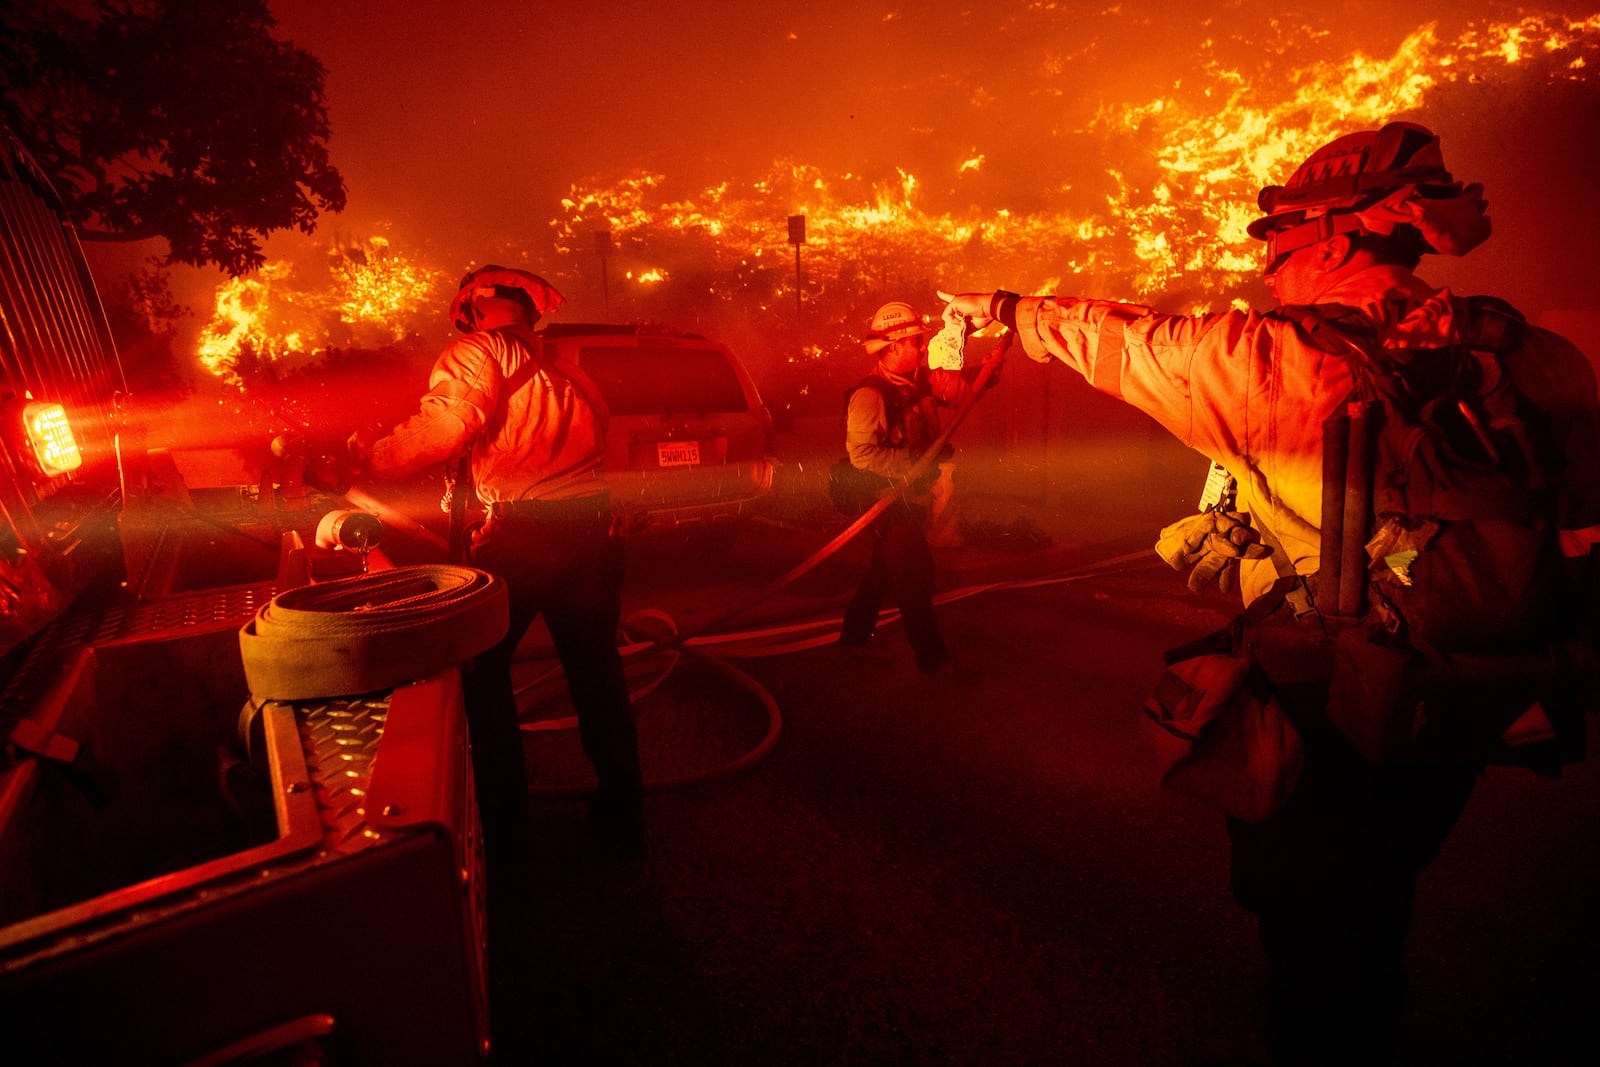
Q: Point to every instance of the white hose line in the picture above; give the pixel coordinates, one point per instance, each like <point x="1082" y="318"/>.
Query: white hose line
<point x="748" y="759"/>
<point x="987" y="371"/>
<point x="673" y="642"/>
<point x="769" y="703"/>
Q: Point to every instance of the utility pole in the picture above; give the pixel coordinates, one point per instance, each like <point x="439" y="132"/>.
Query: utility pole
<point x="797" y="237"/>
<point x="602" y="245"/>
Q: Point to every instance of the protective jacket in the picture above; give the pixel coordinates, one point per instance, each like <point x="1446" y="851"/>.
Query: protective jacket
<point x="1251" y="391"/>
<point x="891" y="419"/>
<point x="536" y="425"/>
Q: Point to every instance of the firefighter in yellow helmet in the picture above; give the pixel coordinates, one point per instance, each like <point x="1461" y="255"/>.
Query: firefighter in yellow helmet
<point x="1329" y="869"/>
<point x="534" y="429"/>
<point x="891" y="419"/>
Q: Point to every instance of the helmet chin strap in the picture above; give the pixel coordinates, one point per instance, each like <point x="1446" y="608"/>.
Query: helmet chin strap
<point x="1350" y="246"/>
<point x="1333" y="275"/>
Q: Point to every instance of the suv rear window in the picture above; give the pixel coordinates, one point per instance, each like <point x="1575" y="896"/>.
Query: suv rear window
<point x="651" y="381"/>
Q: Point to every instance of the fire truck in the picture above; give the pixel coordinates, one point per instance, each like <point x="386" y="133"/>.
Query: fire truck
<point x="189" y="874"/>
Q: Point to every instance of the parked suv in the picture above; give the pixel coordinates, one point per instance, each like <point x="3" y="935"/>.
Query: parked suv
<point x="690" y="441"/>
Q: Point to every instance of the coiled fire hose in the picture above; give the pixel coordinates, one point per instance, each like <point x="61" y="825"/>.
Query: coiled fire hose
<point x="371" y="631"/>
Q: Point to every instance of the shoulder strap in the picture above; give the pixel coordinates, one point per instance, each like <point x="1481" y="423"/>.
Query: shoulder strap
<point x="1348" y="458"/>
<point x="873" y="382"/>
<point x="886" y="391"/>
<point x="1489" y="324"/>
<point x="582" y="384"/>
<point x="1288" y="587"/>
<point x="1338" y="331"/>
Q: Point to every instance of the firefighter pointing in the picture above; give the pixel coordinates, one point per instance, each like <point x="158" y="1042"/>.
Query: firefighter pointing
<point x="1405" y="682"/>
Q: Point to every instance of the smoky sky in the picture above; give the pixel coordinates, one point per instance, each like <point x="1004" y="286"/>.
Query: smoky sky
<point x="458" y="128"/>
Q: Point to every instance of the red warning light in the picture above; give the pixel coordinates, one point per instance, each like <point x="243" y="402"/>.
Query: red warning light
<point x="50" y="434"/>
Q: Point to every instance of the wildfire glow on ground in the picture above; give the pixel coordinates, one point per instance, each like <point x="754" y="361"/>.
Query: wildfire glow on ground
<point x="1146" y="200"/>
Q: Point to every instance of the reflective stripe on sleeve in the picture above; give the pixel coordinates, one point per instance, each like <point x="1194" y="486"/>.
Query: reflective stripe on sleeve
<point x="1107" y="377"/>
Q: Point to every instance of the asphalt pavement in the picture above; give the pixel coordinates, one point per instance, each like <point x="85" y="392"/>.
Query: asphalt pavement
<point x="851" y="863"/>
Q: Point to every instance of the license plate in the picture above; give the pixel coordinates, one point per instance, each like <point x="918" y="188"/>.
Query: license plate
<point x="678" y="453"/>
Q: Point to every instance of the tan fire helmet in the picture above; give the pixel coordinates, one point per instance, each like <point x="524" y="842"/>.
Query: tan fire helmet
<point x="506" y="283"/>
<point x="1371" y="182"/>
<point x="892" y="322"/>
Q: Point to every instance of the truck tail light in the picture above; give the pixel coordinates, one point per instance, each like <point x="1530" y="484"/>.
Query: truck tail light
<point x="50" y="434"/>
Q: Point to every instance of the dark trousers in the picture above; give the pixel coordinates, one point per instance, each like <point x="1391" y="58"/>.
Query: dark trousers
<point x="1331" y="879"/>
<point x="559" y="560"/>
<point x="901" y="564"/>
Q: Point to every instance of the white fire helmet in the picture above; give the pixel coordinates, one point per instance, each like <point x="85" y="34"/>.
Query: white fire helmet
<point x="1371" y="182"/>
<point x="505" y="283"/>
<point x="894" y="321"/>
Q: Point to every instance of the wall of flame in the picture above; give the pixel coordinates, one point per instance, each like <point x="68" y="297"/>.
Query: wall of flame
<point x="1117" y="154"/>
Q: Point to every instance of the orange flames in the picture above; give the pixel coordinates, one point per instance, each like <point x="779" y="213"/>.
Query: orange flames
<point x="1170" y="221"/>
<point x="1164" y="223"/>
<point x="373" y="296"/>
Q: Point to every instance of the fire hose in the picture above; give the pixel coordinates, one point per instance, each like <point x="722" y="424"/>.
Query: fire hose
<point x="929" y="458"/>
<point x="665" y="637"/>
<point x="388" y="628"/>
<point x="372" y="631"/>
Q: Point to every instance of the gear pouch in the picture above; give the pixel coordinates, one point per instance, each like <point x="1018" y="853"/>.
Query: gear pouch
<point x="1222" y="738"/>
<point x="1372" y="696"/>
<point x="1399" y="706"/>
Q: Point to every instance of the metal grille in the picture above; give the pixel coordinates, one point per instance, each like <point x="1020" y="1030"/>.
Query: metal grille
<point x="56" y="646"/>
<point x="340" y="738"/>
<point x="85" y="626"/>
<point x="212" y="609"/>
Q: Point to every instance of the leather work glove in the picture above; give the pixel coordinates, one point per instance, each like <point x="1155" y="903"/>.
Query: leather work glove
<point x="1213" y="543"/>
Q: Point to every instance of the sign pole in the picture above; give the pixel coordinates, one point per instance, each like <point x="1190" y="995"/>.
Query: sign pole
<point x="797" y="237"/>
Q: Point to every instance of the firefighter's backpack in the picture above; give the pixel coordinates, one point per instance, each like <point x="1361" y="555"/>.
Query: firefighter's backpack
<point x="1441" y="566"/>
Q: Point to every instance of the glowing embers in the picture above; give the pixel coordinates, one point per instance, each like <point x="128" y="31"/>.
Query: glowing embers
<point x="50" y="434"/>
<point x="380" y="287"/>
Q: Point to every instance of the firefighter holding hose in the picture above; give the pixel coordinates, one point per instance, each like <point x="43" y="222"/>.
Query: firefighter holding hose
<point x="534" y="428"/>
<point x="1330" y="875"/>
<point x="891" y="419"/>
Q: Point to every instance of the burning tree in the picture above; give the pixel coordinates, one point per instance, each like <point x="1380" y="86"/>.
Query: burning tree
<point x="285" y="316"/>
